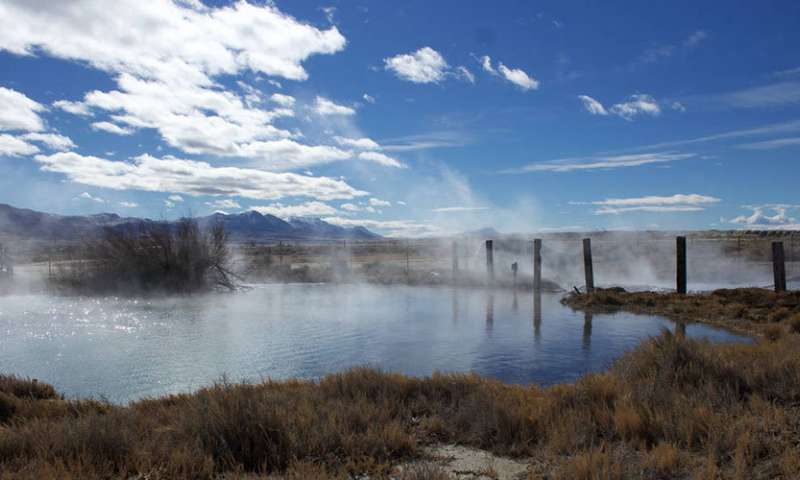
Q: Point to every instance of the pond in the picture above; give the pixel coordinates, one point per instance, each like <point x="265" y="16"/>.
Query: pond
<point x="124" y="349"/>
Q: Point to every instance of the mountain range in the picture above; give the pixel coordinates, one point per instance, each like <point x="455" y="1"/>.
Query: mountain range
<point x="22" y="223"/>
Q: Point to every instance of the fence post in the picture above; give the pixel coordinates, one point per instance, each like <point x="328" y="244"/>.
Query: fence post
<point x="490" y="260"/>
<point x="587" y="264"/>
<point x="537" y="265"/>
<point x="455" y="259"/>
<point x="778" y="266"/>
<point x="681" y="266"/>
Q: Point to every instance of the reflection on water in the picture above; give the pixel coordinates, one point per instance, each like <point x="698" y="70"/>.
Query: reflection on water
<point x="125" y="349"/>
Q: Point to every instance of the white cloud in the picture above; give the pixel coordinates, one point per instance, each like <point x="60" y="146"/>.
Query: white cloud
<point x="602" y="162"/>
<point x="175" y="198"/>
<point x="426" y="65"/>
<point x="400" y="202"/>
<point x="128" y="204"/>
<point x="368" y="98"/>
<point x="772" y="95"/>
<point x="486" y="63"/>
<point x="160" y="39"/>
<point x="148" y="173"/>
<point x="647" y="208"/>
<point x="75" y="108"/>
<point x="111" y="128"/>
<point x="391" y="228"/>
<point x="288" y="154"/>
<point x="165" y="58"/>
<point x="51" y="140"/>
<point x="377" y="202"/>
<point x="224" y="204"/>
<point x="358" y="143"/>
<point x="518" y="77"/>
<point x="350" y="207"/>
<point x="458" y="209"/>
<point x="308" y="209"/>
<point x="89" y="196"/>
<point x="323" y="106"/>
<point x="677" y="199"/>
<point x="463" y="73"/>
<point x="759" y="218"/>
<point x="638" y="104"/>
<point x="17" y="111"/>
<point x="771" y="144"/>
<point x="592" y="106"/>
<point x="283" y="100"/>
<point x="12" y="146"/>
<point x="657" y="204"/>
<point x="381" y="159"/>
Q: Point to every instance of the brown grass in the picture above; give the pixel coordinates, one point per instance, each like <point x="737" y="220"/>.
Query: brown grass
<point x="753" y="311"/>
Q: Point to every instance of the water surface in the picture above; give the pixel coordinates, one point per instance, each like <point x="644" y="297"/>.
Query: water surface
<point x="123" y="349"/>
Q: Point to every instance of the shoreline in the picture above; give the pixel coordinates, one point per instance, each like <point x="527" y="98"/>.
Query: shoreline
<point x="670" y="408"/>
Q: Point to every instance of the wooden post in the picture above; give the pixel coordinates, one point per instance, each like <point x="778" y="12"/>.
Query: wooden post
<point x="537" y="265"/>
<point x="587" y="264"/>
<point x="489" y="261"/>
<point x="455" y="259"/>
<point x="514" y="268"/>
<point x="681" y="266"/>
<point x="778" y="266"/>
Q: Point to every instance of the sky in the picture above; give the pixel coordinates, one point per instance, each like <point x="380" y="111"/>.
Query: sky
<point x="411" y="118"/>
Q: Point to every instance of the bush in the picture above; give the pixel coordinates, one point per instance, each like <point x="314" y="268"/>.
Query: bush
<point x="176" y="258"/>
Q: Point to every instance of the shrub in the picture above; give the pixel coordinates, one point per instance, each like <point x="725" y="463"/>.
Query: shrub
<point x="152" y="257"/>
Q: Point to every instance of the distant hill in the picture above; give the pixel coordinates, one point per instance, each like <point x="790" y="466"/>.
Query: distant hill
<point x="22" y="223"/>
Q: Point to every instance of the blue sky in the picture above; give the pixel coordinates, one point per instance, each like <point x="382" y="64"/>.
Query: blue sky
<point x="411" y="118"/>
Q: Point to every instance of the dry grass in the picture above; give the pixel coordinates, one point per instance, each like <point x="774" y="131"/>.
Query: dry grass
<point x="753" y="311"/>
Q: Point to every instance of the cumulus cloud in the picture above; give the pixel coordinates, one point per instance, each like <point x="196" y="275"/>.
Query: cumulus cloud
<point x="377" y="202"/>
<point x="486" y="64"/>
<point x="174" y="175"/>
<point x="11" y="146"/>
<point x="289" y="154"/>
<point x="283" y="100"/>
<point x="323" y="106"/>
<point x="517" y="76"/>
<point x="175" y="198"/>
<point x="53" y="141"/>
<point x="426" y="65"/>
<point x="166" y="58"/>
<point x="90" y="197"/>
<point x="760" y="217"/>
<point x="111" y="128"/>
<point x="602" y="162"/>
<point x="381" y="159"/>
<point x="308" y="209"/>
<point x="75" y="108"/>
<point x="359" y="143"/>
<point x="17" y="111"/>
<point x="637" y="104"/>
<point x="128" y="204"/>
<point x="368" y="98"/>
<point x="592" y="106"/>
